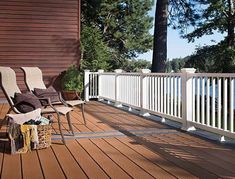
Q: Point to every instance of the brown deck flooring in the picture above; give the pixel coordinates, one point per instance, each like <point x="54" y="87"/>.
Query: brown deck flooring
<point x="117" y="144"/>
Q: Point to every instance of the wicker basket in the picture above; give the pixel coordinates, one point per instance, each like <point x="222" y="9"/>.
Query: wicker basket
<point x="44" y="136"/>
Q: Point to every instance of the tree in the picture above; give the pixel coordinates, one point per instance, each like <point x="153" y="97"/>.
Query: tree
<point x="95" y="53"/>
<point x="176" y="64"/>
<point x="206" y="16"/>
<point x="124" y="25"/>
<point x="160" y="37"/>
<point x="214" y="15"/>
<point x="215" y="58"/>
<point x="178" y="14"/>
<point x="136" y="65"/>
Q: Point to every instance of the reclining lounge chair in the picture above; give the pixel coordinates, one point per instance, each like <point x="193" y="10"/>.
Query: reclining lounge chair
<point x="9" y="87"/>
<point x="34" y="79"/>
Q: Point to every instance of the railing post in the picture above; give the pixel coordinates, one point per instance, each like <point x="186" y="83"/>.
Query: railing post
<point x="187" y="99"/>
<point x="86" y="84"/>
<point x="117" y="71"/>
<point x="99" y="83"/>
<point x="143" y="92"/>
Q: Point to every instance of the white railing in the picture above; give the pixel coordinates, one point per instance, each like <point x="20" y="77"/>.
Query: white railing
<point x="107" y="86"/>
<point x="213" y="102"/>
<point x="129" y="89"/>
<point x="204" y="101"/>
<point x="91" y="83"/>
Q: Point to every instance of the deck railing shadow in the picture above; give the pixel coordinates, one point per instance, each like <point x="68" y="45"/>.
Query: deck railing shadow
<point x="181" y="154"/>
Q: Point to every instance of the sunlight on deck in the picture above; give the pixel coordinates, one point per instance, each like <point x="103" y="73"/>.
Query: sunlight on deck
<point x="118" y="144"/>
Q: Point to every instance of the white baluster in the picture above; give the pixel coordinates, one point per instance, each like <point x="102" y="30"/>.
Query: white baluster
<point x="179" y="97"/>
<point x="203" y="101"/>
<point x="100" y="83"/>
<point x="208" y="101"/>
<point x="231" y="111"/>
<point x="219" y="103"/>
<point x="213" y="102"/>
<point x="117" y="103"/>
<point x="225" y="111"/>
<point x="198" y="100"/>
<point x="175" y="95"/>
<point x="143" y="92"/>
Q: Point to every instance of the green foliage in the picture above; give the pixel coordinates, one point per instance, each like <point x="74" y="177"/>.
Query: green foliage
<point x="217" y="58"/>
<point x="72" y="80"/>
<point x="95" y="53"/>
<point x="206" y="17"/>
<point x="176" y="64"/>
<point x="212" y="15"/>
<point x="124" y="26"/>
<point x="182" y="13"/>
<point x="136" y="65"/>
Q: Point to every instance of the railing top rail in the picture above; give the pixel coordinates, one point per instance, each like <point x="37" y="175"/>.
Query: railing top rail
<point x="168" y="74"/>
<point x="94" y="72"/>
<point x="113" y="73"/>
<point x="138" y="74"/>
<point x="163" y="74"/>
<point x="212" y="75"/>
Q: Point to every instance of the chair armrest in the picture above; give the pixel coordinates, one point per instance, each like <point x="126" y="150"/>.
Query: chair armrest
<point x="49" y="104"/>
<point x="78" y="96"/>
<point x="48" y="100"/>
<point x="62" y="99"/>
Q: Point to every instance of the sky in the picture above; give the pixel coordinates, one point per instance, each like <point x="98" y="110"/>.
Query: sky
<point x="178" y="47"/>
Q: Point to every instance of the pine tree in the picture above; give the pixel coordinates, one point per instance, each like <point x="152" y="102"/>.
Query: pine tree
<point x="213" y="15"/>
<point x="124" y="25"/>
<point x="205" y="16"/>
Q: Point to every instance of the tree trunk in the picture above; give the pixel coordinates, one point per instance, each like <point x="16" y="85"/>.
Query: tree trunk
<point x="231" y="24"/>
<point x="160" y="37"/>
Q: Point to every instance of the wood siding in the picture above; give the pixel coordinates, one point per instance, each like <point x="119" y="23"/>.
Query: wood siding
<point x="43" y="33"/>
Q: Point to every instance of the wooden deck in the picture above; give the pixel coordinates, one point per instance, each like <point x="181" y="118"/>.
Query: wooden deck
<point x="117" y="144"/>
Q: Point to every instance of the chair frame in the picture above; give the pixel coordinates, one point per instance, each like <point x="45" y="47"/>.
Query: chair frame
<point x="13" y="108"/>
<point x="32" y="71"/>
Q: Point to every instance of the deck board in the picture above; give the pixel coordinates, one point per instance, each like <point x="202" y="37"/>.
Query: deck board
<point x="31" y="169"/>
<point x="197" y="158"/>
<point x="118" y="144"/>
<point x="108" y="165"/>
<point x="157" y="159"/>
<point x="126" y="164"/>
<point x="69" y="165"/>
<point x="50" y="166"/>
<point x="207" y="154"/>
<point x="11" y="167"/>
<point x="150" y="167"/>
<point x="86" y="161"/>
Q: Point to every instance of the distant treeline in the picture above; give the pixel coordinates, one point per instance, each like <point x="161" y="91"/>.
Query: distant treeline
<point x="209" y="59"/>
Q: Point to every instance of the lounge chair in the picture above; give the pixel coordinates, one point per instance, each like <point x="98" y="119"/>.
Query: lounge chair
<point x="9" y="87"/>
<point x="34" y="79"/>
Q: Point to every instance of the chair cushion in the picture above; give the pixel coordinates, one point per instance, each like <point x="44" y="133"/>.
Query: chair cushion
<point x="26" y="102"/>
<point x="50" y="92"/>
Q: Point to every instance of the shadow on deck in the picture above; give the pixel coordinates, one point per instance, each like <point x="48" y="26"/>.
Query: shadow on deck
<point x="118" y="144"/>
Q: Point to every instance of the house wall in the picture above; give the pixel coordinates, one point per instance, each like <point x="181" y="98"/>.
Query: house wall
<point x="42" y="33"/>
